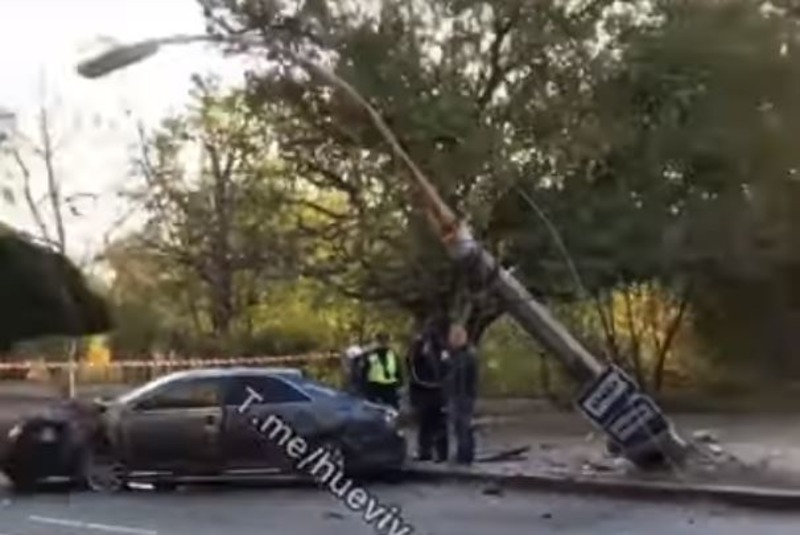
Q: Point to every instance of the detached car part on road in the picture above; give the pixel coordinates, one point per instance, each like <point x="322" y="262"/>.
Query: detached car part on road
<point x="188" y="426"/>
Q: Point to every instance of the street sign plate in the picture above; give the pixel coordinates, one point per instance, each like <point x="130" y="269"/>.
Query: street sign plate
<point x="611" y="389"/>
<point x="615" y="404"/>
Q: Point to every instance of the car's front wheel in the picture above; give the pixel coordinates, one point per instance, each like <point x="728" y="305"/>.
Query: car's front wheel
<point x="103" y="473"/>
<point x="22" y="481"/>
<point x="336" y="455"/>
<point x="332" y="460"/>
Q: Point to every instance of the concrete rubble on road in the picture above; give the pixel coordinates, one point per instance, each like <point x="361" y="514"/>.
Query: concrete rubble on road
<point x="738" y="451"/>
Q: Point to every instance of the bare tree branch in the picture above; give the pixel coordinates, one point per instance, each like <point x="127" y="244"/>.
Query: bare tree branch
<point x="496" y="71"/>
<point x="27" y="190"/>
<point x="53" y="183"/>
<point x="664" y="348"/>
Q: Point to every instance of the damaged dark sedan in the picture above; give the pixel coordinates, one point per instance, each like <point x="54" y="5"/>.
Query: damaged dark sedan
<point x="202" y="425"/>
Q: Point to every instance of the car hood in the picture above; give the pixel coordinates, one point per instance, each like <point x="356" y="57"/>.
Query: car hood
<point x="353" y="407"/>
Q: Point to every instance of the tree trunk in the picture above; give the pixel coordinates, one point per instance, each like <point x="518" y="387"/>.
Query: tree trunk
<point x="53" y="184"/>
<point x="666" y="345"/>
<point x="223" y="291"/>
<point x="479" y="321"/>
<point x="635" y="347"/>
<point x="222" y="307"/>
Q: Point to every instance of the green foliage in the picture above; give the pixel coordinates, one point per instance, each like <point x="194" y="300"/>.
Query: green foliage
<point x="660" y="149"/>
<point x="715" y="114"/>
<point x="514" y="366"/>
<point x="681" y="174"/>
<point x="466" y="86"/>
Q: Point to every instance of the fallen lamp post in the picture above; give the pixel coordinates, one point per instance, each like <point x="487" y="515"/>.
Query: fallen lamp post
<point x="610" y="399"/>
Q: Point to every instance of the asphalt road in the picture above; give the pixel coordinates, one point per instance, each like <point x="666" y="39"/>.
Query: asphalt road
<point x="428" y="509"/>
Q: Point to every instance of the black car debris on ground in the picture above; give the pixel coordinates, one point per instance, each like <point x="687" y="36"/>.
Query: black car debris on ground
<point x="189" y="426"/>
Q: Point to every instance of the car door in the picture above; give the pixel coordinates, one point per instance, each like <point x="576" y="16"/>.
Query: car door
<point x="257" y="430"/>
<point x="177" y="427"/>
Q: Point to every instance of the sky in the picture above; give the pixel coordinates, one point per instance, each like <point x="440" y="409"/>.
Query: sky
<point x="41" y="41"/>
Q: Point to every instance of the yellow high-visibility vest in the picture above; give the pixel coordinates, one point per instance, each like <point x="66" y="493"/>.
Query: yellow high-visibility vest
<point x="380" y="374"/>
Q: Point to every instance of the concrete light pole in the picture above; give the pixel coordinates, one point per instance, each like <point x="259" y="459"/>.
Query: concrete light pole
<point x="610" y="399"/>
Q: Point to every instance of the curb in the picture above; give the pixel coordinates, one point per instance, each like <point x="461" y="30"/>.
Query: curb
<point x="743" y="496"/>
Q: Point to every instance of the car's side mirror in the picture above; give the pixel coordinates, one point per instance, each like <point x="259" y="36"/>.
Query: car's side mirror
<point x="101" y="403"/>
<point x="142" y="405"/>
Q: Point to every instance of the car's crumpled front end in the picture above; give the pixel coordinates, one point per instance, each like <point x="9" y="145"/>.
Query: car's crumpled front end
<point x="39" y="449"/>
<point x="47" y="446"/>
<point x="370" y="433"/>
<point x="375" y="441"/>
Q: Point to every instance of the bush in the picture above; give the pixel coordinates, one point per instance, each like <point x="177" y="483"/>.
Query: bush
<point x="512" y="365"/>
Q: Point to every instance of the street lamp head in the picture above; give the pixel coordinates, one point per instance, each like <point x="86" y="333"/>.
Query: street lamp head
<point x="117" y="58"/>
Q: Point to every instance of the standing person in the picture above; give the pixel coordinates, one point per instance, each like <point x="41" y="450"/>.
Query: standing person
<point x="352" y="364"/>
<point x="382" y="373"/>
<point x="426" y="396"/>
<point x="462" y="390"/>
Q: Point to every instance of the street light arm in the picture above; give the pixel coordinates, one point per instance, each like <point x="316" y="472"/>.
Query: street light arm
<point x="123" y="56"/>
<point x="439" y="213"/>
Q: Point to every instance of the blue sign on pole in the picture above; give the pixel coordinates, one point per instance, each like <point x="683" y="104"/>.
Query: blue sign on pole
<point x="615" y="404"/>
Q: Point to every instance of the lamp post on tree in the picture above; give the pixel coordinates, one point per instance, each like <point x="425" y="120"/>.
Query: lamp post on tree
<point x="610" y="399"/>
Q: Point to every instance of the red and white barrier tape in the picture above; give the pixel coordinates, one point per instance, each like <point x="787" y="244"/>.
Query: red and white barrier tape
<point x="180" y="363"/>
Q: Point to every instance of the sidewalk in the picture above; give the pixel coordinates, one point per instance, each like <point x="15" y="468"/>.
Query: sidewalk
<point x="739" y="458"/>
<point x="737" y="450"/>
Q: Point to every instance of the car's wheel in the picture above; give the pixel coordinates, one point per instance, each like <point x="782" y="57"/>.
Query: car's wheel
<point x="336" y="455"/>
<point x="104" y="474"/>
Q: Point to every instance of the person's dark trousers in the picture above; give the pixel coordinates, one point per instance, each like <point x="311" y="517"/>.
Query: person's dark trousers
<point x="461" y="414"/>
<point x="384" y="394"/>
<point x="432" y="432"/>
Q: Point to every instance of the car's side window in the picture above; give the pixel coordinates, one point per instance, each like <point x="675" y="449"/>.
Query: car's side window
<point x="271" y="389"/>
<point x="189" y="394"/>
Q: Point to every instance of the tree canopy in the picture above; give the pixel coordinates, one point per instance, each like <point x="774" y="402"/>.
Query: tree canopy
<point x="632" y="162"/>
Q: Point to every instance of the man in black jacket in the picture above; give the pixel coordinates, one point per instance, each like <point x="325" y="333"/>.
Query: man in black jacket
<point x="426" y="396"/>
<point x="462" y="390"/>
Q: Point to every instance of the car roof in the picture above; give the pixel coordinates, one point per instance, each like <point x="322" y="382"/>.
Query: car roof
<point x="285" y="373"/>
<point x="234" y="372"/>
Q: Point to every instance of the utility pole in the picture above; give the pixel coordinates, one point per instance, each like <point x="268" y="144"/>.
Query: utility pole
<point x="610" y="399"/>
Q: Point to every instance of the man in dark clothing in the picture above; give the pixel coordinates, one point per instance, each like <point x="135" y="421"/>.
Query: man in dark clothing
<point x="426" y="396"/>
<point x="462" y="390"/>
<point x="383" y="375"/>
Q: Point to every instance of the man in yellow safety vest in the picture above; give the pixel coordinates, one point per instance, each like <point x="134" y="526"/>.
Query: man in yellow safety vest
<point x="383" y="373"/>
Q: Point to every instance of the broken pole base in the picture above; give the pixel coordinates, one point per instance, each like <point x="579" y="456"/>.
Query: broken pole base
<point x="663" y="452"/>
